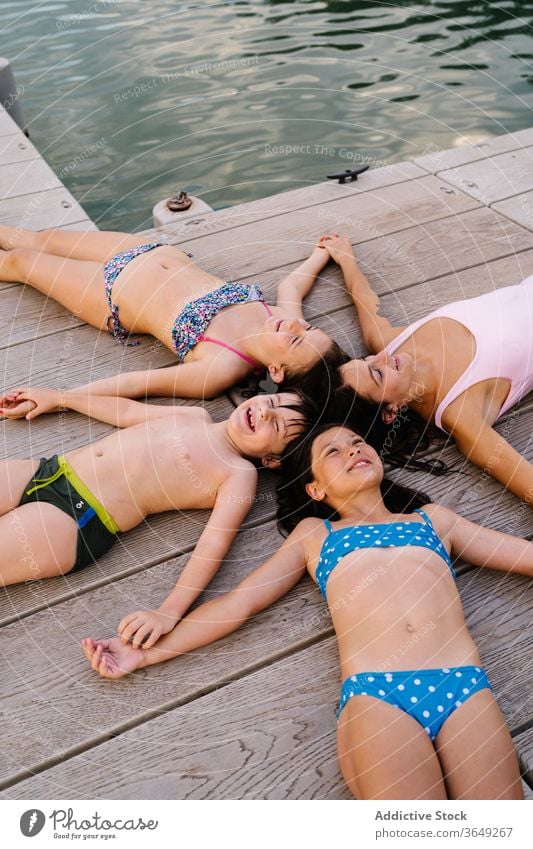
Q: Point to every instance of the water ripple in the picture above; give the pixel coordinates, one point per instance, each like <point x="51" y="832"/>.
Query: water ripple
<point x="143" y="100"/>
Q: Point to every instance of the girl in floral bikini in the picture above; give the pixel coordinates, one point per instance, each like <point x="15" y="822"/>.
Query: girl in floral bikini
<point x="159" y="290"/>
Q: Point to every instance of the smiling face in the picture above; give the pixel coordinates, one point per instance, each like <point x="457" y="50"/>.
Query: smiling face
<point x="342" y="464"/>
<point x="292" y="345"/>
<point x="263" y="426"/>
<point x="382" y="378"/>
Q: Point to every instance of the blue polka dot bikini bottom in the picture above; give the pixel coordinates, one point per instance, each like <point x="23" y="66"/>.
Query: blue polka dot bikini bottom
<point x="428" y="695"/>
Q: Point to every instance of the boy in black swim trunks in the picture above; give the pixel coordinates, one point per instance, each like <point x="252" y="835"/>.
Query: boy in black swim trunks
<point x="60" y="514"/>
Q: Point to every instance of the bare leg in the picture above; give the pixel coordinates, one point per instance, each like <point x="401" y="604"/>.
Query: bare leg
<point x="386" y="754"/>
<point x="37" y="541"/>
<point x="92" y="246"/>
<point x="476" y="752"/>
<point x="77" y="285"/>
<point x="14" y="477"/>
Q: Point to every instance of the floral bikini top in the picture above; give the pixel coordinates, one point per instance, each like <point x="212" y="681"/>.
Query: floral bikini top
<point x="195" y="317"/>
<point x="342" y="541"/>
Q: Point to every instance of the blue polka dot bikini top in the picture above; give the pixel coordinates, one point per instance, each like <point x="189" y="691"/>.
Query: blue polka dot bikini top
<point x="341" y="542"/>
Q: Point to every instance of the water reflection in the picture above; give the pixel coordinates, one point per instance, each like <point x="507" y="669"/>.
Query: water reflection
<point x="196" y="97"/>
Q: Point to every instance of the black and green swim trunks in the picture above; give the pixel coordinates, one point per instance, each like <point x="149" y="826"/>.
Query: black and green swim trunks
<point x="55" y="482"/>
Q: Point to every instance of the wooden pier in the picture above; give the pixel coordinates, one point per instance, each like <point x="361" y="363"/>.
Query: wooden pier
<point x="253" y="716"/>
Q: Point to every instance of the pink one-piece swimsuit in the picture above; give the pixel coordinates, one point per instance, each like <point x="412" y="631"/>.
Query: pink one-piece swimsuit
<point x="501" y="323"/>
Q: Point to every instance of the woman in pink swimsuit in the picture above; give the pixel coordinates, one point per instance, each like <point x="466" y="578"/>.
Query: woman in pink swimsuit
<point x="461" y="367"/>
<point x="221" y="331"/>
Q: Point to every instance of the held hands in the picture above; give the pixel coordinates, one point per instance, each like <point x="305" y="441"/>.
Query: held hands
<point x="145" y="627"/>
<point x="338" y="247"/>
<point x="28" y="403"/>
<point x="111" y="658"/>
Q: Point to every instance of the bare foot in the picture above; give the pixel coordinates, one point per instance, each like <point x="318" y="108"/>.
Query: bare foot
<point x="7" y="274"/>
<point x="7" y="240"/>
<point x="16" y="237"/>
<point x="111" y="658"/>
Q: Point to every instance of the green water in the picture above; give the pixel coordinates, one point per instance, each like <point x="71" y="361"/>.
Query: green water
<point x="131" y="101"/>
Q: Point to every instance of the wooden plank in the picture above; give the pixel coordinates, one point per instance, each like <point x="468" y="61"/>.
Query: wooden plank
<point x="438" y="160"/>
<point x="494" y="179"/>
<point x="283" y="202"/>
<point x="282" y="746"/>
<point x="290" y="237"/>
<point x="524" y="746"/>
<point x="410" y="256"/>
<point x="518" y="209"/>
<point x="39" y="693"/>
<point x="270" y="732"/>
<point x="262" y="739"/>
<point x="17" y="148"/>
<point x="77" y="355"/>
<point x="27" y="316"/>
<point x="84" y="224"/>
<point x="7" y="125"/>
<point x="527" y="791"/>
<point x="27" y="178"/>
<point x="43" y="209"/>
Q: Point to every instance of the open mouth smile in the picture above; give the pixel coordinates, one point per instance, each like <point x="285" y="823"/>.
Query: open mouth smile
<point x="358" y="464"/>
<point x="250" y="420"/>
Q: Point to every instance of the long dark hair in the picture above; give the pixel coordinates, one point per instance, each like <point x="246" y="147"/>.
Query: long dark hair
<point x="319" y="373"/>
<point x="294" y="504"/>
<point x="399" y="443"/>
<point x="322" y="379"/>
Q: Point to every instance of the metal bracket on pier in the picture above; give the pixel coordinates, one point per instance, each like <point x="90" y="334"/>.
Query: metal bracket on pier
<point x="348" y="176"/>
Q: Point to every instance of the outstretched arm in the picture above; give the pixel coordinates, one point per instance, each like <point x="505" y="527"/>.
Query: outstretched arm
<point x="486" y="547"/>
<point x="294" y="288"/>
<point x="234" y="499"/>
<point x="491" y="452"/>
<point x="376" y="330"/>
<point x="210" y="621"/>
<point x="199" y="379"/>
<point x="29" y="403"/>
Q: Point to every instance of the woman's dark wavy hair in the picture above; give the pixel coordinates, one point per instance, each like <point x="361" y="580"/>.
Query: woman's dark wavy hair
<point x="399" y="443"/>
<point x="330" y="361"/>
<point x="294" y="504"/>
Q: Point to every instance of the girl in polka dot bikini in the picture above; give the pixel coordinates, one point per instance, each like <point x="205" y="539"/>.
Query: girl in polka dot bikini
<point x="417" y="717"/>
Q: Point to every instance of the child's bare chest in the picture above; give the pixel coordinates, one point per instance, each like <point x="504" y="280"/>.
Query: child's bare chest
<point x="183" y="465"/>
<point x="158" y="466"/>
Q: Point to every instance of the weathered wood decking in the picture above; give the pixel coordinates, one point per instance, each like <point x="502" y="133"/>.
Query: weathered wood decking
<point x="254" y="715"/>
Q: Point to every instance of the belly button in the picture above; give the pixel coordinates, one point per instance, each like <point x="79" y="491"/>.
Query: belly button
<point x="410" y="629"/>
<point x="99" y="453"/>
